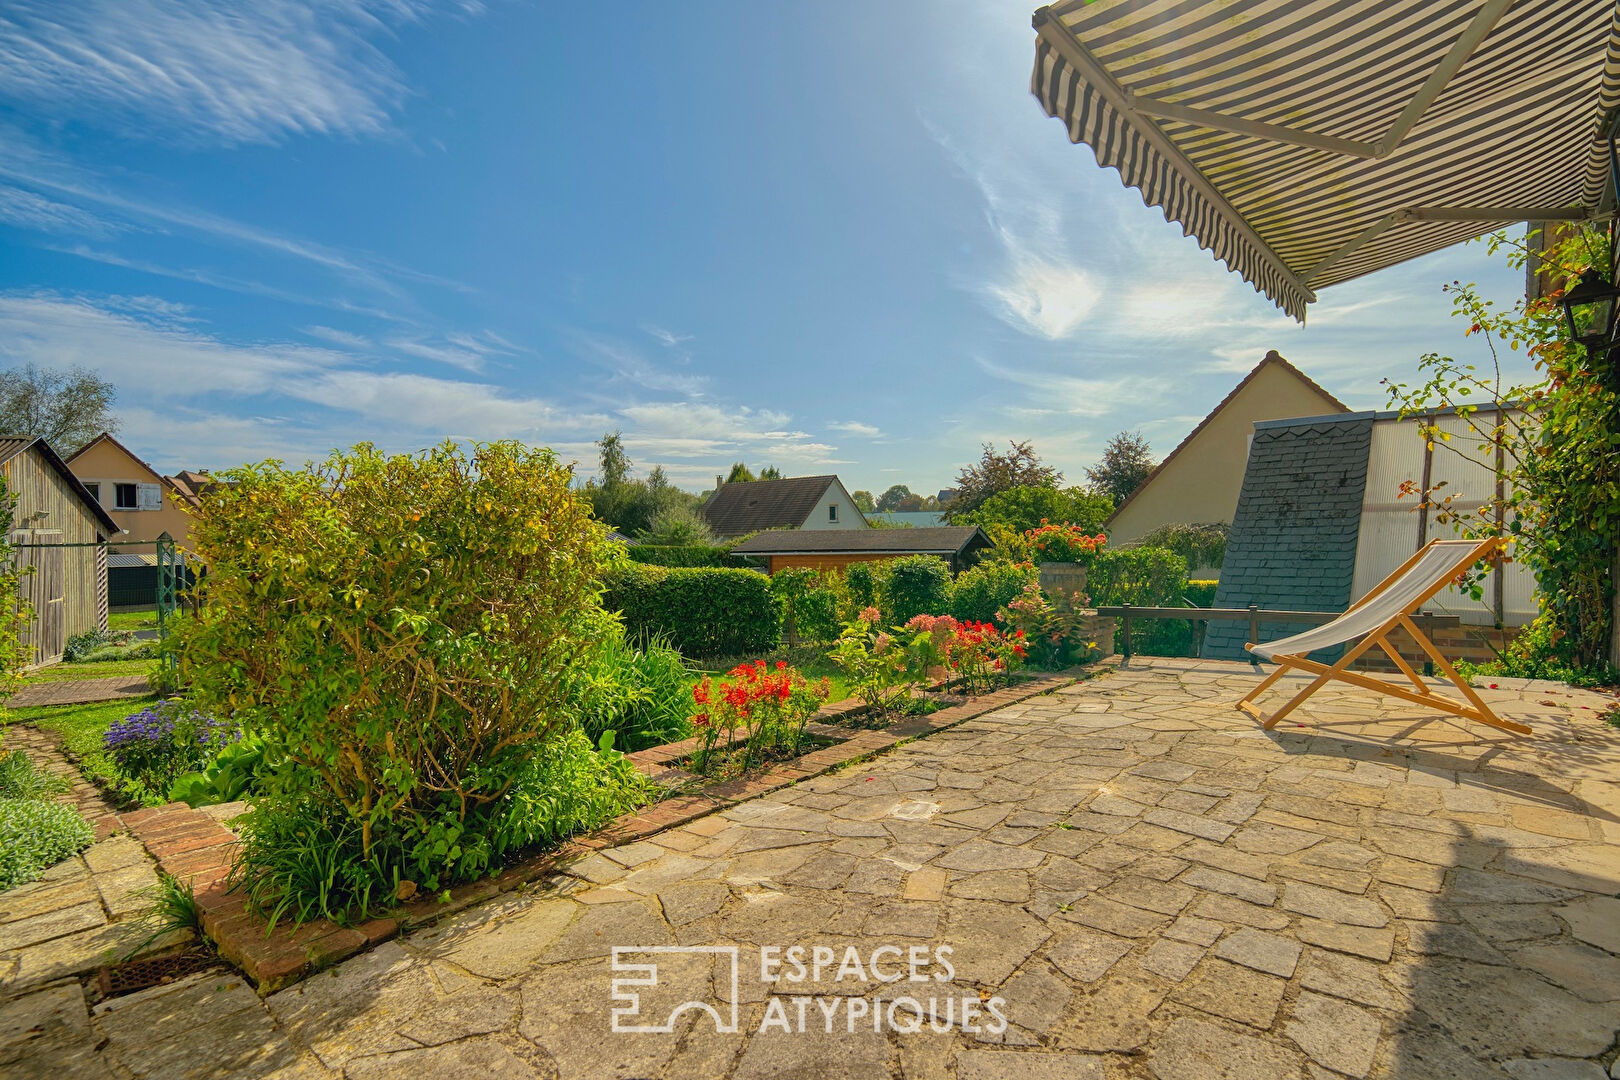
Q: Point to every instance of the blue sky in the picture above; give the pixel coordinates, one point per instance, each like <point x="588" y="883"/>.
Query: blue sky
<point x="834" y="237"/>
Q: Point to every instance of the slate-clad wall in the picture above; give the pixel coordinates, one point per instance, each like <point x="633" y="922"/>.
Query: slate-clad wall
<point x="1293" y="540"/>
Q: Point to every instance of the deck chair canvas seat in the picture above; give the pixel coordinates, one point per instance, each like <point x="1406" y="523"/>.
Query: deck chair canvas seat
<point x="1389" y="605"/>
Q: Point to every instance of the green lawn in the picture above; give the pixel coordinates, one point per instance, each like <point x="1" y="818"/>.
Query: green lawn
<point x="132" y="620"/>
<point x="81" y="728"/>
<point x="100" y="669"/>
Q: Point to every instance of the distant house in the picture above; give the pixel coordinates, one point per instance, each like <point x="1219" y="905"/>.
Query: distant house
<point x="825" y="549"/>
<point x="1198" y="482"/>
<point x="798" y="502"/>
<point x="60" y="531"/>
<point x="145" y="503"/>
<point x="1320" y="521"/>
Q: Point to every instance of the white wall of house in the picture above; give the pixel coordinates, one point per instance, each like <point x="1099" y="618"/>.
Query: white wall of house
<point x="1390" y="525"/>
<point x="835" y="510"/>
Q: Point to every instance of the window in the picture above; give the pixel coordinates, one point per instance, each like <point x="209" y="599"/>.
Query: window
<point x="832" y="511"/>
<point x="126" y="496"/>
<point x="94" y="489"/>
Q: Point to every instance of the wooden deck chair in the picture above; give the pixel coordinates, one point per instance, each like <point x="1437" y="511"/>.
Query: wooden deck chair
<point x="1389" y="605"/>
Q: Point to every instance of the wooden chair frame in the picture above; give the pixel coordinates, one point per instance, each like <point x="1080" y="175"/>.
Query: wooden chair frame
<point x="1473" y="708"/>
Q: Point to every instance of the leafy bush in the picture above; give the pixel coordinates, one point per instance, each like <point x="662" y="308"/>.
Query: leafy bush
<point x="680" y="555"/>
<point x="164" y="740"/>
<point x="400" y="630"/>
<point x="20" y="778"/>
<point x="1022" y="509"/>
<point x="703" y="612"/>
<point x="35" y="835"/>
<point x="677" y="526"/>
<point x="1144" y="576"/>
<point x="1201" y="592"/>
<point x="914" y="585"/>
<point x="861" y="579"/>
<point x="134" y="650"/>
<point x="1540" y="651"/>
<point x="978" y="655"/>
<point x="978" y="593"/>
<point x="1202" y="545"/>
<point x="640" y="695"/>
<point x="763" y="708"/>
<point x="884" y="667"/>
<point x="809" y="605"/>
<point x="573" y="787"/>
<point x="79" y="646"/>
<point x="1048" y="627"/>
<point x="237" y="771"/>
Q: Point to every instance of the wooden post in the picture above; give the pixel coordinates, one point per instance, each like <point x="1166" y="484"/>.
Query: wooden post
<point x="1254" y="629"/>
<point x="1126" y="626"/>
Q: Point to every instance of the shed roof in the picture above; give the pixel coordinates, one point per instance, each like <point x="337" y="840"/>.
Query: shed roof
<point x="12" y="445"/>
<point x="942" y="540"/>
<point x="748" y="506"/>
<point x="1293" y="540"/>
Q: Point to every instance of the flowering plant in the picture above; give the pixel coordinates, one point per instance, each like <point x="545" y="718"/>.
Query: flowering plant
<point x="884" y="667"/>
<point x="763" y="707"/>
<point x="160" y="742"/>
<point x="1063" y="543"/>
<point x="980" y="656"/>
<point x="1047" y="627"/>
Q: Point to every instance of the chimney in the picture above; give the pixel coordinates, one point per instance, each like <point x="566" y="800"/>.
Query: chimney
<point x="719" y="481"/>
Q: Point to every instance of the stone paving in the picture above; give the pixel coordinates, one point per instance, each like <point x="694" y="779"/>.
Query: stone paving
<point x="79" y="691"/>
<point x="1142" y="883"/>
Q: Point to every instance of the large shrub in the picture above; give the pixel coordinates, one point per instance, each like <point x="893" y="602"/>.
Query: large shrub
<point x="1144" y="576"/>
<point x="1021" y="509"/>
<point x="703" y="612"/>
<point x="978" y="593"/>
<point x="809" y="604"/>
<point x="1202" y="545"/>
<point x="637" y="690"/>
<point x="400" y="630"/>
<point x="914" y="585"/>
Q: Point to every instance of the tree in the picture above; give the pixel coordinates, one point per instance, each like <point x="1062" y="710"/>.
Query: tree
<point x="678" y="526"/>
<point x="1020" y="466"/>
<point x="770" y="472"/>
<point x="67" y="410"/>
<point x="898" y="499"/>
<point x="739" y="474"/>
<point x="863" y="501"/>
<point x="1021" y="509"/>
<point x="615" y="462"/>
<point x="1126" y="462"/>
<point x="630" y="506"/>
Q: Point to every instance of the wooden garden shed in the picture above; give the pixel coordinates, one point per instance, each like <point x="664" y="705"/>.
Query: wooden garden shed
<point x="60" y="531"/>
<point x="958" y="545"/>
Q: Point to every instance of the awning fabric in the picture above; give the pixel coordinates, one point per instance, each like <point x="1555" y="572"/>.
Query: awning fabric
<point x="1308" y="142"/>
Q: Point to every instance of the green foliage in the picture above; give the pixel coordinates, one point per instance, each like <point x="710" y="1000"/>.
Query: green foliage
<point x="861" y="579"/>
<point x="863" y="501"/>
<point x="884" y="667"/>
<point x="1561" y="464"/>
<point x="400" y="630"/>
<point x="1144" y="576"/>
<point x="809" y="606"/>
<point x="981" y="591"/>
<point x="677" y="526"/>
<point x="572" y="788"/>
<point x="1201" y="592"/>
<point x="236" y="772"/>
<point x="1021" y="509"/>
<point x="1201" y="545"/>
<point x="134" y="650"/>
<point x="79" y="646"/>
<point x="81" y="729"/>
<point x="913" y="585"/>
<point x="630" y="506"/>
<point x="680" y="555"/>
<point x="171" y="906"/>
<point x="15" y="615"/>
<point x="639" y="694"/>
<point x="996" y="472"/>
<point x="35" y="835"/>
<point x="1049" y="627"/>
<point x="20" y="778"/>
<point x="1541" y="650"/>
<point x="703" y="612"/>
<point x="761" y="709"/>
<point x="1126" y="462"/>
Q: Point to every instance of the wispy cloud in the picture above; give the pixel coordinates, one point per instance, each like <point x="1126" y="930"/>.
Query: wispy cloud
<point x="338" y="337"/>
<point x="214" y="69"/>
<point x="33" y="211"/>
<point x="630" y="366"/>
<point x="855" y="427"/>
<point x="668" y="338"/>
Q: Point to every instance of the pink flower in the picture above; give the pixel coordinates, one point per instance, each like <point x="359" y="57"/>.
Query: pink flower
<point x="870" y="615"/>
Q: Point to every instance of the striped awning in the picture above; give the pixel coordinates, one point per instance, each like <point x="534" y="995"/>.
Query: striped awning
<point x="1308" y="142"/>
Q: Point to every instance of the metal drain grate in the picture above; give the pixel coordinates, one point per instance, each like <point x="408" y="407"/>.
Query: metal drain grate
<point x="153" y="971"/>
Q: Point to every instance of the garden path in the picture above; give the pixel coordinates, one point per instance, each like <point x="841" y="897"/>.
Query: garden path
<point x="1153" y="887"/>
<point x="79" y="691"/>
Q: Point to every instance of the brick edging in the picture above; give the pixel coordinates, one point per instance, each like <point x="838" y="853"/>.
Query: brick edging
<point x="197" y="850"/>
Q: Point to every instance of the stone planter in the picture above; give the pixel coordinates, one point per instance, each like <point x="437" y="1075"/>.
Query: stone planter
<point x="1068" y="577"/>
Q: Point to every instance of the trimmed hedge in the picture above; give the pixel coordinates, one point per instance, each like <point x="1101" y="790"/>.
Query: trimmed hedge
<point x="978" y="593"/>
<point x="702" y="611"/>
<point x="913" y="585"/>
<point x="685" y="555"/>
<point x="1201" y="593"/>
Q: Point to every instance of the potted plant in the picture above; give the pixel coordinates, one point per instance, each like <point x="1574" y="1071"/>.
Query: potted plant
<point x="1062" y="552"/>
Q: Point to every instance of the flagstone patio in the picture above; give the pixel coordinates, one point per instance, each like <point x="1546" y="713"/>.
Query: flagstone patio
<point x="1150" y="885"/>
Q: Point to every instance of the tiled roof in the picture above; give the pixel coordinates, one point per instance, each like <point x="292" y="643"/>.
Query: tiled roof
<point x="740" y="508"/>
<point x="1293" y="540"/>
<point x="944" y="540"/>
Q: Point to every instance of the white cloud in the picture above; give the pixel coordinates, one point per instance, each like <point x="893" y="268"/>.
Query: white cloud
<point x="855" y="427"/>
<point x="1081" y="396"/>
<point x="220" y="69"/>
<point x="338" y="337"/>
<point x="31" y="211"/>
<point x="1042" y="297"/>
<point x="665" y="337"/>
<point x="456" y="355"/>
<point x="627" y="365"/>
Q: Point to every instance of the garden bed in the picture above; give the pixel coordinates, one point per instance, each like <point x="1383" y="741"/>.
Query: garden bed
<point x="197" y="849"/>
